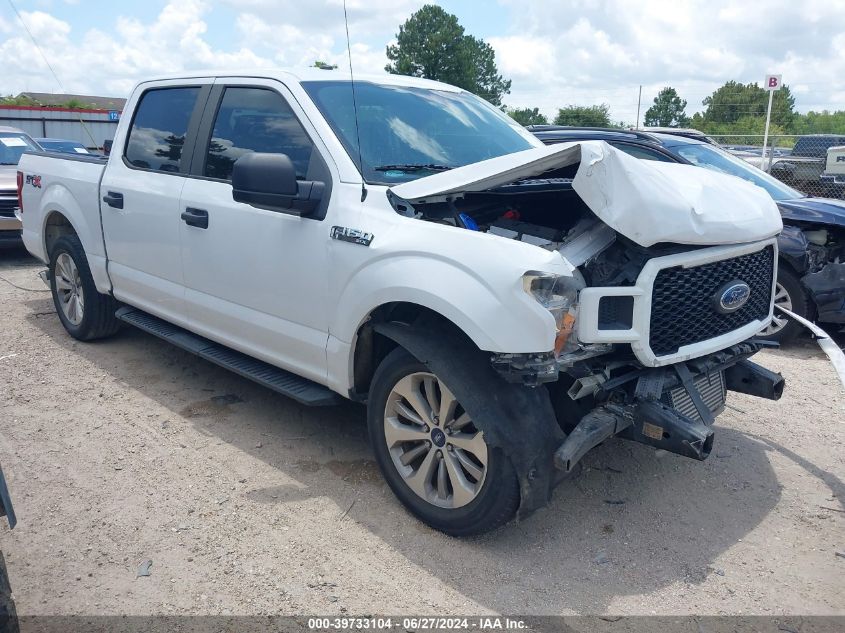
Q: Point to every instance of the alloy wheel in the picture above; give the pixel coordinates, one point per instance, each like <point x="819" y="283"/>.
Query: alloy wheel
<point x="69" y="289"/>
<point x="779" y="319"/>
<point x="433" y="443"/>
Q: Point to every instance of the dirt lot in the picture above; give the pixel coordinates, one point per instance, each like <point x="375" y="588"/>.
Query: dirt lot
<point x="129" y="449"/>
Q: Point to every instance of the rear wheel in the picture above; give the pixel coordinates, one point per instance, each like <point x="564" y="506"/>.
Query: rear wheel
<point x="432" y="454"/>
<point x="789" y="294"/>
<point x="85" y="313"/>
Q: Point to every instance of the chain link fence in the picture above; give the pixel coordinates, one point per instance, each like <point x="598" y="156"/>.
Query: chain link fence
<point x="813" y="164"/>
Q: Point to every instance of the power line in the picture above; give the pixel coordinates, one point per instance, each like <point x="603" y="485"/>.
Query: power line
<point x="47" y="61"/>
<point x="37" y="47"/>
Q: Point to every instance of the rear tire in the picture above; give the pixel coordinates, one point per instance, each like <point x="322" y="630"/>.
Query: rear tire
<point x="84" y="312"/>
<point x="470" y="487"/>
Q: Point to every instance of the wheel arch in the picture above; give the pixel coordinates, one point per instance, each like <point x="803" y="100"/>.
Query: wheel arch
<point x="63" y="216"/>
<point x="56" y="224"/>
<point x="370" y="347"/>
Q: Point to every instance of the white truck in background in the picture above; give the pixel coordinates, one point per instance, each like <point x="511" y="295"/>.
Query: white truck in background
<point x="833" y="177"/>
<point x="500" y="306"/>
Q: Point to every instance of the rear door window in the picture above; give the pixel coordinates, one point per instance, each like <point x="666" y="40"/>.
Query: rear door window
<point x="159" y="128"/>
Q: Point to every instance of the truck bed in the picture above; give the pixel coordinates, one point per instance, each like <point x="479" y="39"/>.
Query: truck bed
<point x="70" y="185"/>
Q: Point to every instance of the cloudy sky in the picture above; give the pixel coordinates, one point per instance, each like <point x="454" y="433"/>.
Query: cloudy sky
<point x="556" y="51"/>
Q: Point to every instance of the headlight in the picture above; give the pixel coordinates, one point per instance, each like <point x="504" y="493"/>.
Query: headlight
<point x="559" y="295"/>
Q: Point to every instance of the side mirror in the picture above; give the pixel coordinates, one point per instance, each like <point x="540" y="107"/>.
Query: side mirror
<point x="107" y="144"/>
<point x="268" y="181"/>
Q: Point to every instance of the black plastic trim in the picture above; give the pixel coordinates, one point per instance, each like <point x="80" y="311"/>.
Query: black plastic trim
<point x="284" y="382"/>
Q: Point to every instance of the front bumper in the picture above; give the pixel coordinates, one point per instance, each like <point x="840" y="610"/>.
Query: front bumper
<point x="10" y="224"/>
<point x="671" y="408"/>
<point x="11" y="237"/>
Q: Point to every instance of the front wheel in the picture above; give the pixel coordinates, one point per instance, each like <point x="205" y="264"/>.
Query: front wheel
<point x="432" y="454"/>
<point x="85" y="313"/>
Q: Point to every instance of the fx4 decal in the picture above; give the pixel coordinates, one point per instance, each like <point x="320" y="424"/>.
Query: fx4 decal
<point x="33" y="180"/>
<point x="356" y="236"/>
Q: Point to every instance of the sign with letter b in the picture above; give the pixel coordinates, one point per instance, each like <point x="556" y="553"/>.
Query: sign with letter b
<point x="773" y="82"/>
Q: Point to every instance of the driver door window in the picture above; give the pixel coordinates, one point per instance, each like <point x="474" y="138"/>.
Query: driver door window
<point x="255" y="120"/>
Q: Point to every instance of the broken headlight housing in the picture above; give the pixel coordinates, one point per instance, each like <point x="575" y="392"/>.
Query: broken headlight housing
<point x="559" y="295"/>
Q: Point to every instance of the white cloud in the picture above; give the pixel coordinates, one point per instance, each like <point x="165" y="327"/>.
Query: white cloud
<point x="265" y="33"/>
<point x="556" y="51"/>
<point x="600" y="51"/>
<point x="96" y="62"/>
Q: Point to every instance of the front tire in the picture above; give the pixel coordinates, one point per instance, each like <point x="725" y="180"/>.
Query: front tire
<point x="432" y="455"/>
<point x="790" y="294"/>
<point x="84" y="312"/>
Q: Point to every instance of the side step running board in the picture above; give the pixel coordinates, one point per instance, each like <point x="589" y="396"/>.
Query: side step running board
<point x="279" y="380"/>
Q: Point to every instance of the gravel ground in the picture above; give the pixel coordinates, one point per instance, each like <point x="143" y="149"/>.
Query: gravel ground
<point x="127" y="450"/>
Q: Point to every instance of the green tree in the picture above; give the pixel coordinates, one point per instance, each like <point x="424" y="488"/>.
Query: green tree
<point x="734" y="100"/>
<point x="76" y="104"/>
<point x="824" y="122"/>
<point x="23" y="100"/>
<point x="589" y="116"/>
<point x="746" y="129"/>
<point x="20" y="100"/>
<point x="528" y="116"/>
<point x="432" y="44"/>
<point x="668" y="110"/>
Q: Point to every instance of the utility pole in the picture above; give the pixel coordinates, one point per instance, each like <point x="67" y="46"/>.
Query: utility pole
<point x="773" y="82"/>
<point x="639" y="101"/>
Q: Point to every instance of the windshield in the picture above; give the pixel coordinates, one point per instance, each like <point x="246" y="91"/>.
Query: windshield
<point x="13" y="145"/>
<point x="717" y="159"/>
<point x="407" y="133"/>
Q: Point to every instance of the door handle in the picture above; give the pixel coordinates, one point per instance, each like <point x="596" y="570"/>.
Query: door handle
<point x="114" y="199"/>
<point x="195" y="217"/>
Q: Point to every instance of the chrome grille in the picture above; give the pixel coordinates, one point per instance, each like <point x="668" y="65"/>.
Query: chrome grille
<point x="713" y="392"/>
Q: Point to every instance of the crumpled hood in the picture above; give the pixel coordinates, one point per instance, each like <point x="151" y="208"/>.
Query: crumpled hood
<point x="647" y="201"/>
<point x="815" y="210"/>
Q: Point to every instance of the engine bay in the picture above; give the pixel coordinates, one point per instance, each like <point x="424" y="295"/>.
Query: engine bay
<point x="548" y="213"/>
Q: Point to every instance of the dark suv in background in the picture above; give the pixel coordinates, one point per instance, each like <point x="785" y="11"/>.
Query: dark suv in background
<point x="811" y="270"/>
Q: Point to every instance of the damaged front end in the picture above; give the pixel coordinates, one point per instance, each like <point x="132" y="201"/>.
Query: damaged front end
<point x="672" y="408"/>
<point x="669" y="285"/>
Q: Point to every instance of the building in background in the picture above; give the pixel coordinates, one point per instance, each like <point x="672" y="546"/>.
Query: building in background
<point x="87" y="119"/>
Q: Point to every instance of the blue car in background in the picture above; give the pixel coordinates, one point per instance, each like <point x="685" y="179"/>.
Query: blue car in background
<point x="811" y="267"/>
<point x="65" y="147"/>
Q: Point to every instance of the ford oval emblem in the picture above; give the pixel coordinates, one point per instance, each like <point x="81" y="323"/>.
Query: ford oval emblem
<point x="731" y="297"/>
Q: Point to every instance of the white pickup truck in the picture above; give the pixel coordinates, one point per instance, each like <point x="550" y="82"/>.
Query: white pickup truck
<point x="500" y="306"/>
